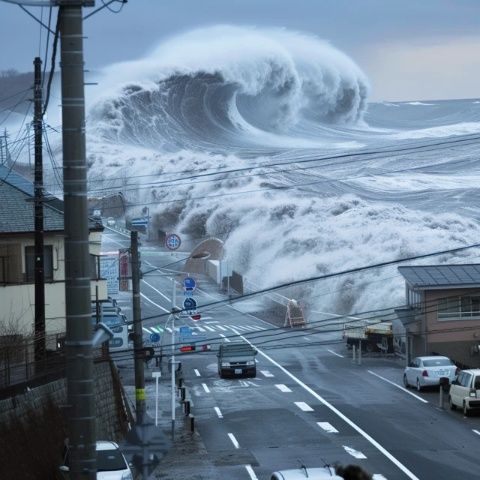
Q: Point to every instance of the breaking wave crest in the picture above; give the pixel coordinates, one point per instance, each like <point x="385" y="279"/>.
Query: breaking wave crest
<point x="230" y="86"/>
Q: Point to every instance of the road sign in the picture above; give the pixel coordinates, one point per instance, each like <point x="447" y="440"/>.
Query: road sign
<point x="190" y="304"/>
<point x="139" y="222"/>
<point x="154" y="337"/>
<point x="185" y="330"/>
<point x="173" y="241"/>
<point x="109" y="270"/>
<point x="189" y="283"/>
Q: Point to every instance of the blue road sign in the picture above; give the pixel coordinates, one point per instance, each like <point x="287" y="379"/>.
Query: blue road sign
<point x="139" y="222"/>
<point x="189" y="283"/>
<point x="173" y="241"/>
<point x="185" y="330"/>
<point x="189" y="304"/>
<point x="154" y="337"/>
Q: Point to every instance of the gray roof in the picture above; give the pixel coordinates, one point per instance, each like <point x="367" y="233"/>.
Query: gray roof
<point x="442" y="276"/>
<point x="17" y="207"/>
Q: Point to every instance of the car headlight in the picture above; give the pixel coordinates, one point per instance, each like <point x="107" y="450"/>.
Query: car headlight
<point x="473" y="393"/>
<point x="251" y="362"/>
<point x="225" y="364"/>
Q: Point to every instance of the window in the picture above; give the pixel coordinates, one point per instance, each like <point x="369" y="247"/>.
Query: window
<point x="459" y="308"/>
<point x="3" y="270"/>
<point x="47" y="263"/>
<point x="466" y="380"/>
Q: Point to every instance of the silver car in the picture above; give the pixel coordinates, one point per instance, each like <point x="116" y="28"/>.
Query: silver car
<point x="322" y="473"/>
<point x="427" y="371"/>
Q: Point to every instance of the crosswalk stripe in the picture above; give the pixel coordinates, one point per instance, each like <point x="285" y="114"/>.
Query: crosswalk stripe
<point x="223" y="329"/>
<point x="209" y="328"/>
<point x="146" y="329"/>
<point x="169" y="330"/>
<point x="200" y="329"/>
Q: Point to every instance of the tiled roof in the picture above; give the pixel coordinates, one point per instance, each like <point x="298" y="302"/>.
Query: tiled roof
<point x="448" y="276"/>
<point x="17" y="207"/>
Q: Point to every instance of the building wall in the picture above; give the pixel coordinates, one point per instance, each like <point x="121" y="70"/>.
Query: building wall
<point x="454" y="338"/>
<point x="18" y="300"/>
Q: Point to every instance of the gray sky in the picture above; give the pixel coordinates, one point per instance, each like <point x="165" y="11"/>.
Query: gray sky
<point x="409" y="49"/>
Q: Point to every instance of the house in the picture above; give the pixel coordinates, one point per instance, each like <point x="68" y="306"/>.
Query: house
<point x="17" y="258"/>
<point x="442" y="312"/>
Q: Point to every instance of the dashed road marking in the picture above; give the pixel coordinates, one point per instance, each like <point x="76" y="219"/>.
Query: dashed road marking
<point x="200" y="329"/>
<point x="337" y="412"/>
<point x="283" y="388"/>
<point x="327" y="427"/>
<point x="223" y="329"/>
<point x="169" y="330"/>
<point x="251" y="472"/>
<point x="146" y="329"/>
<point x="204" y="385"/>
<point x="476" y="431"/>
<point x="378" y="476"/>
<point x="398" y="386"/>
<point x="303" y="406"/>
<point x="307" y="339"/>
<point x="266" y="373"/>
<point x="234" y="440"/>
<point x="335" y="353"/>
<point x="353" y="452"/>
<point x="209" y="328"/>
<point x="219" y="413"/>
<point x="224" y="337"/>
<point x="197" y="373"/>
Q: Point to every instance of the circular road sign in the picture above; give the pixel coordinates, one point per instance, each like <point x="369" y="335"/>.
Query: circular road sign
<point x="173" y="241"/>
<point x="154" y="337"/>
<point x="189" y="304"/>
<point x="189" y="283"/>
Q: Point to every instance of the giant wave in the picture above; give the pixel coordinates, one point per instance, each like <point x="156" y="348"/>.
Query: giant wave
<point x="231" y="86"/>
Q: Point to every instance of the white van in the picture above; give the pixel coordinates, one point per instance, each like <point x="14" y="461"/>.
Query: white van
<point x="465" y="391"/>
<point x="323" y="473"/>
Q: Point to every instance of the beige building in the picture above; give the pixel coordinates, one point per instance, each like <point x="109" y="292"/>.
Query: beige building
<point x="17" y="258"/>
<point x="442" y="312"/>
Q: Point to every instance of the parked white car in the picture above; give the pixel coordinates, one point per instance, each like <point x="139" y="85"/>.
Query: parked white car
<point x="427" y="371"/>
<point x="322" y="473"/>
<point x="465" y="391"/>
<point x="111" y="464"/>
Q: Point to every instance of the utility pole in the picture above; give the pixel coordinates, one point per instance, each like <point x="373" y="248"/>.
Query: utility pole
<point x="38" y="212"/>
<point x="79" y="350"/>
<point x="137" y="330"/>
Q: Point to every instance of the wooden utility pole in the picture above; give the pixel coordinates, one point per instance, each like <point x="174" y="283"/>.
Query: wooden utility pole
<point x="38" y="214"/>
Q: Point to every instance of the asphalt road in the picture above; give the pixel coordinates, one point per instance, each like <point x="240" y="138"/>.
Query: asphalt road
<point x="309" y="401"/>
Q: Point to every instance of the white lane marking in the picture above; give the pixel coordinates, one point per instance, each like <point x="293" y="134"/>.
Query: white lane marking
<point x="378" y="476"/>
<point x="303" y="406"/>
<point x="204" y="385"/>
<point x="219" y="413"/>
<point x="234" y="440"/>
<point x="256" y="327"/>
<point x="476" y="431"/>
<point x="153" y="303"/>
<point x="251" y="472"/>
<point x="157" y="290"/>
<point x="200" y="329"/>
<point x="156" y="329"/>
<point x="307" y="339"/>
<point x="169" y="330"/>
<point x="354" y="453"/>
<point x="146" y="329"/>
<point x="337" y="412"/>
<point x="224" y="337"/>
<point x="197" y="373"/>
<point x="327" y="427"/>
<point x="335" y="353"/>
<point x="223" y="329"/>
<point x="209" y="328"/>
<point x="241" y="327"/>
<point x="283" y="388"/>
<point x="398" y="386"/>
<point x="266" y="373"/>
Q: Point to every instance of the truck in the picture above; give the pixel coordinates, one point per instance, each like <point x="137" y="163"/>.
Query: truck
<point x="236" y="359"/>
<point x="371" y="335"/>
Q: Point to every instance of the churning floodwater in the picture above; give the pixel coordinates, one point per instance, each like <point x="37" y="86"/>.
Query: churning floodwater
<point x="266" y="139"/>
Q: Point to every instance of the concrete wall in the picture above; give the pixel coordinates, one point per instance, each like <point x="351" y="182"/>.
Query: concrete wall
<point x="213" y="270"/>
<point x="111" y="421"/>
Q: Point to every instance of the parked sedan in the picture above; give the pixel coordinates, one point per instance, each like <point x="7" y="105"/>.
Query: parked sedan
<point x="427" y="371"/>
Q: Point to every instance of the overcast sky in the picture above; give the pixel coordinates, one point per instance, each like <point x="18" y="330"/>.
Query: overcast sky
<point x="409" y="49"/>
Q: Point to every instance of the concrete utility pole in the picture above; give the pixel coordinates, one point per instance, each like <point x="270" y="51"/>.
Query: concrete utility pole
<point x="80" y="381"/>
<point x="137" y="330"/>
<point x="38" y="213"/>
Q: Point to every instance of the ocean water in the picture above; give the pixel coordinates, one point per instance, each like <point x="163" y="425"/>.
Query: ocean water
<point x="266" y="139"/>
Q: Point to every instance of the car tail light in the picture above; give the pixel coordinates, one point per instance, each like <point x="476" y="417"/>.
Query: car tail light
<point x="425" y="373"/>
<point x="206" y="348"/>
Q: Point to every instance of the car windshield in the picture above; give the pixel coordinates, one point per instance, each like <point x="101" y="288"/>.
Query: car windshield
<point x="438" y="362"/>
<point x="109" y="460"/>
